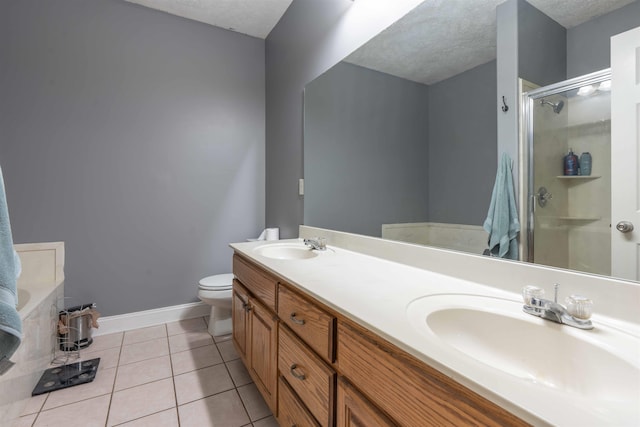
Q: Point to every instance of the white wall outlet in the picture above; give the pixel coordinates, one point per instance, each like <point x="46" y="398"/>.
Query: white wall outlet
<point x="301" y="187"/>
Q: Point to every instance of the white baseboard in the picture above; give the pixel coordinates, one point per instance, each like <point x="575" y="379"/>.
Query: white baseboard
<point x="157" y="316"/>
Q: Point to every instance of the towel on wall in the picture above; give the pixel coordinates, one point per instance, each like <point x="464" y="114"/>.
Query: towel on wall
<point x="10" y="323"/>
<point x="502" y="219"/>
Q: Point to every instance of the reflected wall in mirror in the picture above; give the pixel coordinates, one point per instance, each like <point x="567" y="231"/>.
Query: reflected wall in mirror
<point x="400" y="138"/>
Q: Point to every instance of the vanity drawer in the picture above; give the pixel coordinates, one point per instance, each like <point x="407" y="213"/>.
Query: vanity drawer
<point x="353" y="409"/>
<point x="260" y="283"/>
<point x="312" y="324"/>
<point x="292" y="412"/>
<point x="309" y="376"/>
<point x="407" y="389"/>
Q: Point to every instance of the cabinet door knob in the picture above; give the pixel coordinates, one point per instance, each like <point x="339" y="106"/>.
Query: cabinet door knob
<point x="299" y="376"/>
<point x="295" y="320"/>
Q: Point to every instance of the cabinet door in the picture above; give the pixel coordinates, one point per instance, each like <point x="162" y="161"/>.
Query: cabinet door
<point x="239" y="310"/>
<point x="262" y="351"/>
<point x="354" y="410"/>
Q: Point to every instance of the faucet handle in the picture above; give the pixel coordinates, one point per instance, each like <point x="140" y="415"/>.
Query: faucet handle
<point x="530" y="293"/>
<point x="579" y="306"/>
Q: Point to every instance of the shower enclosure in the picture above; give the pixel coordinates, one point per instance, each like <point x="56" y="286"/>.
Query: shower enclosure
<point x="569" y="209"/>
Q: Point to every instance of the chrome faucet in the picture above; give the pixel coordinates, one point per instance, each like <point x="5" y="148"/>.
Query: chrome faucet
<point x="316" y="243"/>
<point x="577" y="315"/>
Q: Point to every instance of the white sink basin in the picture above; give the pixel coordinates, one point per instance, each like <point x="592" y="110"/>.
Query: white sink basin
<point x="286" y="251"/>
<point x="602" y="363"/>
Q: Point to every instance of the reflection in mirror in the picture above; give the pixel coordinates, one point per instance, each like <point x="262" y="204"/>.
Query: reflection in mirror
<point x="400" y="138"/>
<point x="570" y="213"/>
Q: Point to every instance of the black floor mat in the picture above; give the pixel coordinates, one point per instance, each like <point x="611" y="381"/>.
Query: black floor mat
<point x="67" y="376"/>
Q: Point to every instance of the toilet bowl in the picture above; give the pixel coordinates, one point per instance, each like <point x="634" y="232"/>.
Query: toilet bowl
<point x="216" y="291"/>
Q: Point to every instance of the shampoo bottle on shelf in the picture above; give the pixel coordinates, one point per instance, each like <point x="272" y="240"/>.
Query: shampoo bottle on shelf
<point x="585" y="163"/>
<point x="571" y="163"/>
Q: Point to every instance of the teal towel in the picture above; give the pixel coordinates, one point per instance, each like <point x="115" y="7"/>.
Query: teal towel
<point x="502" y="219"/>
<point x="10" y="323"/>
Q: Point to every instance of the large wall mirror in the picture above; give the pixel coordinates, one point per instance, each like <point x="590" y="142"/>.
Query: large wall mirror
<point x="400" y="138"/>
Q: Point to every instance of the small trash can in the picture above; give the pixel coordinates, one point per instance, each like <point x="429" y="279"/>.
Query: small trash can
<point x="74" y="326"/>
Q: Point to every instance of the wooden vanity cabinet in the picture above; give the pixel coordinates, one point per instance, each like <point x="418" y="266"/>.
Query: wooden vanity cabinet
<point x="255" y="327"/>
<point x="315" y="367"/>
<point x="240" y="318"/>
<point x="262" y="351"/>
<point x="409" y="391"/>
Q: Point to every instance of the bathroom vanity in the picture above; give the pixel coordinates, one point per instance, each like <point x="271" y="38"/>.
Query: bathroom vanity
<point x="335" y="337"/>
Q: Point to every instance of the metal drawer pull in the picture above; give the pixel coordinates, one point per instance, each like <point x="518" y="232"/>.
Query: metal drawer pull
<point x="292" y="317"/>
<point x="292" y="369"/>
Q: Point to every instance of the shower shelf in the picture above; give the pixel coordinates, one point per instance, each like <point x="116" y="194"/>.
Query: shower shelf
<point x="578" y="176"/>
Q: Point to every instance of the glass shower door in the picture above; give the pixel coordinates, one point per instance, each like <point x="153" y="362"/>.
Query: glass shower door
<point x="569" y="138"/>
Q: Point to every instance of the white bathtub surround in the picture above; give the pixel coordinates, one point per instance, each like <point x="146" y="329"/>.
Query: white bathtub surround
<point x="42" y="270"/>
<point x="374" y="282"/>
<point x="40" y="292"/>
<point x="457" y="237"/>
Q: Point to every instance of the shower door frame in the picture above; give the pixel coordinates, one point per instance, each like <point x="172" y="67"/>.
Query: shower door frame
<point x="527" y="104"/>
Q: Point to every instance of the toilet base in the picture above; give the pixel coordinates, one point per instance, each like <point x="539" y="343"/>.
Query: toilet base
<point x="220" y="321"/>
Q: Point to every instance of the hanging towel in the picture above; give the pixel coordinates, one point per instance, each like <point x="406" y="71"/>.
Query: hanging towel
<point x="10" y="323"/>
<point x="502" y="219"/>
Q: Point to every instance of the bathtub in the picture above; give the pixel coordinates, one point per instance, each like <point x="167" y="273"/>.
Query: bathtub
<point x="457" y="237"/>
<point x="40" y="293"/>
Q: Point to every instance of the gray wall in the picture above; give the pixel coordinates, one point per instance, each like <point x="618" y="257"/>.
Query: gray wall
<point x="365" y="150"/>
<point x="542" y="46"/>
<point x="137" y="138"/>
<point x="462" y="146"/>
<point x="507" y="81"/>
<point x="589" y="44"/>
<point x="532" y="46"/>
<point x="287" y="72"/>
<point x="310" y="38"/>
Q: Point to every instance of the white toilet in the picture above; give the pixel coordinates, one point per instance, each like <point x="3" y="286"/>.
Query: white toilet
<point x="216" y="291"/>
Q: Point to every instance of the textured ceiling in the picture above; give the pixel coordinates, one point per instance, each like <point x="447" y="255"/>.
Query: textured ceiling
<point x="438" y="39"/>
<point x="253" y="17"/>
<point x="442" y="38"/>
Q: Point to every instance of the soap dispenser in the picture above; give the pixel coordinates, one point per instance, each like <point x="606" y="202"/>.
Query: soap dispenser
<point x="571" y="163"/>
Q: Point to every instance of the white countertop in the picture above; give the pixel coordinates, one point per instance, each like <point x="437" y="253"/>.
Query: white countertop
<point x="375" y="293"/>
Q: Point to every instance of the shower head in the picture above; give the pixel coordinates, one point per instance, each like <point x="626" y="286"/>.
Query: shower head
<point x="556" y="107"/>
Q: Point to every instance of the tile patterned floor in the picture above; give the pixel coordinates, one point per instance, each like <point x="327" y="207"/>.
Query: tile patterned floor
<point x="171" y="375"/>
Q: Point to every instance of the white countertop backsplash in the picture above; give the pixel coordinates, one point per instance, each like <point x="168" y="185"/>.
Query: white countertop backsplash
<point x="372" y="281"/>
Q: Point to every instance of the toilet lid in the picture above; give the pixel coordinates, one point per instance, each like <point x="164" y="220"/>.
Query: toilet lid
<point x="219" y="282"/>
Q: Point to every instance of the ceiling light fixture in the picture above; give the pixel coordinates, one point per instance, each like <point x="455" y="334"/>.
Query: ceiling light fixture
<point x="605" y="86"/>
<point x="586" y="90"/>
